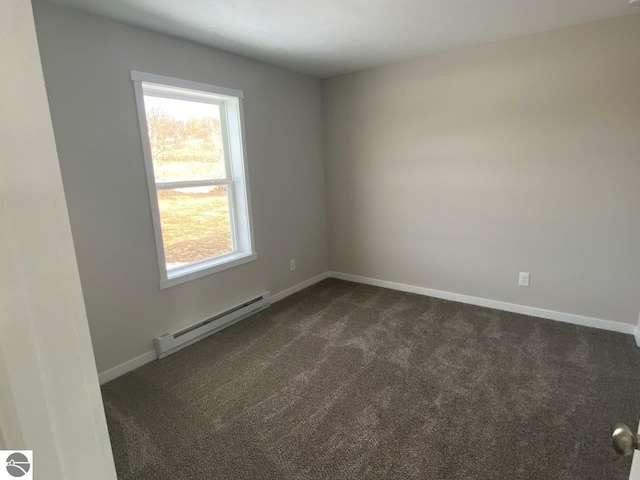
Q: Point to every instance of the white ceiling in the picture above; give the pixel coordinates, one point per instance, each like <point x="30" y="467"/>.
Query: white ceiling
<point x="330" y="37"/>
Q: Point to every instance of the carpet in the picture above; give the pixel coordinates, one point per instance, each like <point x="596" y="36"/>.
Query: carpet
<point x="344" y="380"/>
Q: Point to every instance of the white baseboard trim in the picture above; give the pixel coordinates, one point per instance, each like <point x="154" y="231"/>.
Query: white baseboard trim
<point x="126" y="367"/>
<point x="150" y="356"/>
<point x="498" y="305"/>
<point x="301" y="286"/>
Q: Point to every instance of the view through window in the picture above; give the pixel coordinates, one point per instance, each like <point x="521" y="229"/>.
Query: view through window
<point x="197" y="168"/>
<point x="187" y="146"/>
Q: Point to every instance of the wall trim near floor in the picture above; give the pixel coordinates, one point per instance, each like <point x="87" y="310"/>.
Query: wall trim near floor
<point x="301" y="286"/>
<point x="150" y="356"/>
<point x="498" y="305"/>
<point x="127" y="366"/>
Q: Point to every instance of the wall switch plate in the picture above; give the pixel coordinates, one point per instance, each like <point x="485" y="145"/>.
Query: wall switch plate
<point x="524" y="279"/>
<point x="292" y="264"/>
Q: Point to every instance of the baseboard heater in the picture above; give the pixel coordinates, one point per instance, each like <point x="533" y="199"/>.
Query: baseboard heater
<point x="172" y="342"/>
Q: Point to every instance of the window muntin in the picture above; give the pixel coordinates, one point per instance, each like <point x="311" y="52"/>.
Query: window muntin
<point x="196" y="174"/>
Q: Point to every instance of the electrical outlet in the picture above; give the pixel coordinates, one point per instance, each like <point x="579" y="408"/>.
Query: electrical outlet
<point x="524" y="279"/>
<point x="292" y="264"/>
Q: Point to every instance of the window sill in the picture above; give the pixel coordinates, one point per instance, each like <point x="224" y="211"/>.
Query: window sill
<point x="199" y="270"/>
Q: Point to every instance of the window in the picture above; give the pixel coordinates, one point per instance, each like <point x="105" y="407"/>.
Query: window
<point x="196" y="171"/>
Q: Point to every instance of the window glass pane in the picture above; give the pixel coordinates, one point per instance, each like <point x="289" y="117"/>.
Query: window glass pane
<point x="195" y="224"/>
<point x="186" y="140"/>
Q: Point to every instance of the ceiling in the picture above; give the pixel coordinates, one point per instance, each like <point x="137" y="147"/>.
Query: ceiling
<point x="330" y="37"/>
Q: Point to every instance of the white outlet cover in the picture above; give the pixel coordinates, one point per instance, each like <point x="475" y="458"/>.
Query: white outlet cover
<point x="524" y="279"/>
<point x="292" y="264"/>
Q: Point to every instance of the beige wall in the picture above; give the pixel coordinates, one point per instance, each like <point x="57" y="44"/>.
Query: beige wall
<point x="87" y="62"/>
<point x="457" y="171"/>
<point x="49" y="396"/>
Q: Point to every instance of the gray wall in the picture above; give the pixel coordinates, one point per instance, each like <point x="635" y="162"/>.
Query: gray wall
<point x="454" y="172"/>
<point x="458" y="170"/>
<point x="87" y="62"/>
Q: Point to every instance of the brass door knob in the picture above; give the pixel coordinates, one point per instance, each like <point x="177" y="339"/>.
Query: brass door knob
<point x="624" y="441"/>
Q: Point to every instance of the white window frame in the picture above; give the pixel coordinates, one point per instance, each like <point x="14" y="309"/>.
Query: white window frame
<point x="232" y="127"/>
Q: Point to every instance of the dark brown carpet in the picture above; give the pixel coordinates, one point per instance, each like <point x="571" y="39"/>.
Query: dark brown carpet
<point x="349" y="381"/>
